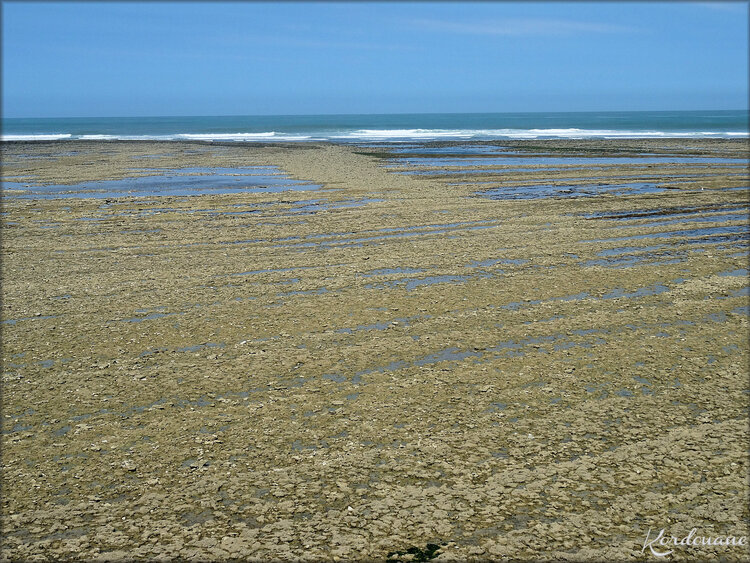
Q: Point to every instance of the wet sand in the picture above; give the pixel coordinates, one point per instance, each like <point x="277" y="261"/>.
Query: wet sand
<point x="383" y="362"/>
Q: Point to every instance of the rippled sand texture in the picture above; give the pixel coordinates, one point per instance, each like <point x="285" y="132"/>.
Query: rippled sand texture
<point x="383" y="361"/>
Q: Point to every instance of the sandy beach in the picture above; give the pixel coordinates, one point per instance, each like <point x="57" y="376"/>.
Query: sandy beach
<point x="542" y="357"/>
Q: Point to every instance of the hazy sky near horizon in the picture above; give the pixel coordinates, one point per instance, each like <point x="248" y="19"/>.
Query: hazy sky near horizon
<point x="64" y="59"/>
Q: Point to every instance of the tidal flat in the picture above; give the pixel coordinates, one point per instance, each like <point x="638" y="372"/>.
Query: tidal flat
<point x="500" y="361"/>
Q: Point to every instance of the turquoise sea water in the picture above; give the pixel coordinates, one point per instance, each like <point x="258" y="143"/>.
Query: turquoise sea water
<point x="389" y="127"/>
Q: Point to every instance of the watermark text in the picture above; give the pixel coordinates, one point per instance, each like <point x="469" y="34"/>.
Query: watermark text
<point x="662" y="544"/>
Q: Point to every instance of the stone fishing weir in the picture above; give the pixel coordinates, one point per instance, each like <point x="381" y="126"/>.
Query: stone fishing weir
<point x="314" y="351"/>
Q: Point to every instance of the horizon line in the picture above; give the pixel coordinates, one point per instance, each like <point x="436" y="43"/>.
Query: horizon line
<point x="747" y="110"/>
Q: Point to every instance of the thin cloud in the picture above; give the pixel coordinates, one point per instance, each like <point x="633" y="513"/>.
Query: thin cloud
<point x="328" y="44"/>
<point x="308" y="42"/>
<point x="730" y="7"/>
<point x="517" y="27"/>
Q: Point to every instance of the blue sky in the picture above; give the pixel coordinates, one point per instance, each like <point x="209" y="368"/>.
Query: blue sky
<point x="249" y="58"/>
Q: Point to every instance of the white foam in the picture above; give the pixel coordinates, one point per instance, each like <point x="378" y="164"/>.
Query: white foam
<point x="573" y="133"/>
<point x="560" y="133"/>
<point x="392" y="135"/>
<point x="406" y="134"/>
<point x="125" y="137"/>
<point x="264" y="136"/>
<point x="50" y="137"/>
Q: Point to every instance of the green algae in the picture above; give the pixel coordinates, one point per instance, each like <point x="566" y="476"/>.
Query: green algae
<point x="430" y="551"/>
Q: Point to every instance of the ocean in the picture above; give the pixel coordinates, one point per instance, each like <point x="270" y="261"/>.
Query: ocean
<point x="387" y="127"/>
